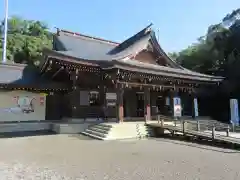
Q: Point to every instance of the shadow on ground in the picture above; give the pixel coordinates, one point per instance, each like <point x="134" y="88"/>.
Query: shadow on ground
<point x="82" y="137"/>
<point x="194" y="142"/>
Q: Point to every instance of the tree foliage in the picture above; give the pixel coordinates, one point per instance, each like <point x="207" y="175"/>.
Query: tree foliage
<point x="217" y="52"/>
<point x="26" y="39"/>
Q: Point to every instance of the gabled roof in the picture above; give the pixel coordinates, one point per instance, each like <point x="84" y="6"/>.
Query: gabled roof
<point x="82" y="47"/>
<point x="90" y="48"/>
<point x="97" y="50"/>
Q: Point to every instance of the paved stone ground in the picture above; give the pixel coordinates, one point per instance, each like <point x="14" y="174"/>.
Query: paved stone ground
<point x="74" y="157"/>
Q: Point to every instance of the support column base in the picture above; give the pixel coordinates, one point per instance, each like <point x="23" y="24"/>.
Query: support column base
<point x="148" y="113"/>
<point x="120" y="114"/>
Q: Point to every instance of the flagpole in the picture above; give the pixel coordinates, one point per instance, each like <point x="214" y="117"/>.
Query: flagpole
<point x="4" y="60"/>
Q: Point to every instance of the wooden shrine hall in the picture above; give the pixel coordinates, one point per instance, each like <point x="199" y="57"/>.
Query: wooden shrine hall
<point x="134" y="78"/>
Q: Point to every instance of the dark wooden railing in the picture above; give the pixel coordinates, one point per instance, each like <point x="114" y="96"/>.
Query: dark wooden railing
<point x="198" y="125"/>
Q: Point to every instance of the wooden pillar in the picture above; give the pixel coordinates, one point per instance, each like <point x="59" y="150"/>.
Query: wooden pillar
<point x="120" y="110"/>
<point x="167" y="103"/>
<point x="102" y="92"/>
<point x="103" y="102"/>
<point x="147" y="104"/>
<point x="75" y="95"/>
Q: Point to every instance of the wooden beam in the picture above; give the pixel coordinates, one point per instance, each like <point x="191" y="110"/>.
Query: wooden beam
<point x="120" y="108"/>
<point x="147" y="104"/>
<point x="161" y="86"/>
<point x="44" y="65"/>
<point x="47" y="67"/>
<point x="130" y="74"/>
<point x="57" y="72"/>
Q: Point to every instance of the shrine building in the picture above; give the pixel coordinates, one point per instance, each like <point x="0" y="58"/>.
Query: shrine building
<point x="85" y="77"/>
<point x="127" y="80"/>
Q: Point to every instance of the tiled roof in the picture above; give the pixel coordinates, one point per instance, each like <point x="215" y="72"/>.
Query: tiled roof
<point x="89" y="48"/>
<point x="83" y="47"/>
<point x="95" y="49"/>
<point x="23" y="75"/>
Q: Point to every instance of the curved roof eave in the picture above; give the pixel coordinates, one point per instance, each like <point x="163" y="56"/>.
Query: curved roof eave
<point x="162" y="52"/>
<point x="157" y="68"/>
<point x="172" y="62"/>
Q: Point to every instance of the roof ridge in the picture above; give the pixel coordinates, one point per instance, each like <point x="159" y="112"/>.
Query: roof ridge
<point x="87" y="36"/>
<point x="129" y="41"/>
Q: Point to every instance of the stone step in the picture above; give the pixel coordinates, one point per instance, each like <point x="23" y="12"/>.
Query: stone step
<point x="103" y="126"/>
<point x="93" y="136"/>
<point x="97" y="133"/>
<point x="118" y="131"/>
<point x="99" y="129"/>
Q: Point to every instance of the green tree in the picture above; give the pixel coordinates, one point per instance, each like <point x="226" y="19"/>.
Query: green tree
<point x="214" y="52"/>
<point x="218" y="53"/>
<point x="173" y="55"/>
<point x="26" y="39"/>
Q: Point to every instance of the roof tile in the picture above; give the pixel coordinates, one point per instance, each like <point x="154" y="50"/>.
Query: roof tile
<point x="90" y="48"/>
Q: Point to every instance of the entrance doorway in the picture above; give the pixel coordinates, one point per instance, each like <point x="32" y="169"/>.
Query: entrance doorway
<point x="55" y="109"/>
<point x="140" y="104"/>
<point x="160" y="104"/>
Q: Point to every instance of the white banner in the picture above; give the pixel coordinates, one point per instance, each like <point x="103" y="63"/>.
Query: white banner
<point x="177" y="107"/>
<point x="167" y="101"/>
<point x="234" y="111"/>
<point x="195" y="104"/>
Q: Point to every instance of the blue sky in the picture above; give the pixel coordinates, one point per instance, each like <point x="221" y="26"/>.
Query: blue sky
<point x="180" y="22"/>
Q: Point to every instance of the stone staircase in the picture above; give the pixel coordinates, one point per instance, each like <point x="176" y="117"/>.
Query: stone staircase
<point x="114" y="131"/>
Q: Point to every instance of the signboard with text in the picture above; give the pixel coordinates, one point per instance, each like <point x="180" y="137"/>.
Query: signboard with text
<point x="177" y="107"/>
<point x="195" y="103"/>
<point x="111" y="99"/>
<point x="234" y="111"/>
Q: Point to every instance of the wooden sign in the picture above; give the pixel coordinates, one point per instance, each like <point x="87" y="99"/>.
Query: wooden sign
<point x="111" y="96"/>
<point x="111" y="99"/>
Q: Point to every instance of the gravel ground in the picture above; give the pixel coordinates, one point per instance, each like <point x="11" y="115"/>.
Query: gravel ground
<point x="75" y="157"/>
